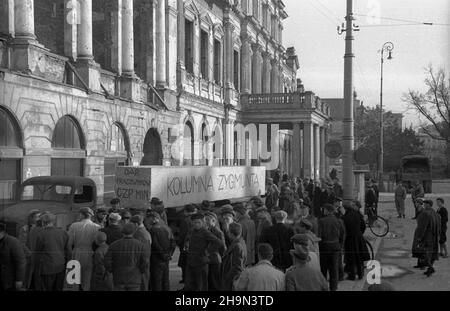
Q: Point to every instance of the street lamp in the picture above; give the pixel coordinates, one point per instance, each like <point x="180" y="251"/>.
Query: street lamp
<point x="387" y="47"/>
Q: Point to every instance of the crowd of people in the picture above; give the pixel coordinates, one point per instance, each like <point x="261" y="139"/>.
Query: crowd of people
<point x="300" y="238"/>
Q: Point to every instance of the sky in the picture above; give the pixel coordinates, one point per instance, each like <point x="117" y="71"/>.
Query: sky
<point x="312" y="29"/>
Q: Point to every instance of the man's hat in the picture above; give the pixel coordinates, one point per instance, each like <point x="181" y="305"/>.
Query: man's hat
<point x="337" y="199"/>
<point x="305" y="223"/>
<point x="153" y="214"/>
<point x="86" y="211"/>
<point x="137" y="219"/>
<point x="129" y="228"/>
<point x="100" y="238"/>
<point x="156" y="201"/>
<point x="115" y="217"/>
<point x="101" y="210"/>
<point x="429" y="202"/>
<point x="240" y="208"/>
<point x="190" y="208"/>
<point x="301" y="239"/>
<point x="261" y="209"/>
<point x="48" y="218"/>
<point x="419" y="200"/>
<point x="330" y="208"/>
<point x="126" y="215"/>
<point x="197" y="216"/>
<point x="211" y="215"/>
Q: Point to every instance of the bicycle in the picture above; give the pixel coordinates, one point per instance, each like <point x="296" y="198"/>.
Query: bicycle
<point x="378" y="225"/>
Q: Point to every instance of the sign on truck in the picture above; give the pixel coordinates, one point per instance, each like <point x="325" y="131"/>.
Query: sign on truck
<point x="178" y="186"/>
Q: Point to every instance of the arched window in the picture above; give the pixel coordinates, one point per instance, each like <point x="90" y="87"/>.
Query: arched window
<point x="204" y="146"/>
<point x="11" y="164"/>
<point x="153" y="154"/>
<point x="188" y="144"/>
<point x="68" y="145"/>
<point x="118" y="147"/>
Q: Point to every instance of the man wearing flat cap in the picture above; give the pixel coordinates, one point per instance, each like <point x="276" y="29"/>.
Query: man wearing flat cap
<point x="272" y="194"/>
<point x="157" y="205"/>
<point x="185" y="226"/>
<point x="113" y="231"/>
<point x="332" y="233"/>
<point x="101" y="279"/>
<point x="52" y="252"/>
<point x="248" y="231"/>
<point x="199" y="242"/>
<point x="163" y="247"/>
<point x="82" y="235"/>
<point x="426" y="238"/>
<point x="227" y="217"/>
<point x="143" y="236"/>
<point x="215" y="255"/>
<point x="302" y="276"/>
<point x="128" y="260"/>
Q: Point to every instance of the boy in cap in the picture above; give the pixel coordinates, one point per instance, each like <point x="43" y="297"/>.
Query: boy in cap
<point x="128" y="260"/>
<point x="332" y="233"/>
<point x="101" y="279"/>
<point x="163" y="246"/>
<point x="199" y="241"/>
<point x="81" y="238"/>
<point x="227" y="216"/>
<point x="115" y="205"/>
<point x="302" y="276"/>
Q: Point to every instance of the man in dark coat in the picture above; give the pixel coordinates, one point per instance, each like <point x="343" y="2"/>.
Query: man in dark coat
<point x="371" y="200"/>
<point x="248" y="231"/>
<point x="215" y="255"/>
<point x="234" y="258"/>
<point x="279" y="237"/>
<point x="163" y="247"/>
<point x="426" y="237"/>
<point x="12" y="261"/>
<point x="52" y="249"/>
<point x="332" y="233"/>
<point x="442" y="211"/>
<point x="101" y="279"/>
<point x="417" y="192"/>
<point x="113" y="231"/>
<point x="127" y="260"/>
<point x="355" y="248"/>
<point x="144" y="236"/>
<point x="185" y="226"/>
<point x="199" y="241"/>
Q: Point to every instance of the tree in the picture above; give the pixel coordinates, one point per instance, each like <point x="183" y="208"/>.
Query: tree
<point x="434" y="105"/>
<point x="397" y="142"/>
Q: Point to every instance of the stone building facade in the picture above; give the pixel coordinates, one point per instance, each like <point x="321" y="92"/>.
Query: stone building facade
<point x="86" y="85"/>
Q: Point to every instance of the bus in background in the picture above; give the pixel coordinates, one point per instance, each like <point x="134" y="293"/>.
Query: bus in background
<point x="416" y="168"/>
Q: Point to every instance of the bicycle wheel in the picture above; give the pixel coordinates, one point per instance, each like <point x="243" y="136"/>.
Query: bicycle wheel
<point x="379" y="227"/>
<point x="370" y="247"/>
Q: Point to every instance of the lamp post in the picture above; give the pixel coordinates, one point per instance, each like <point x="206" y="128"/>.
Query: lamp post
<point x="387" y="47"/>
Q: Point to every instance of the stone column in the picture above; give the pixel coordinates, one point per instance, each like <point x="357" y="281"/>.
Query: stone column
<point x="229" y="28"/>
<point x="246" y="74"/>
<point x="308" y="147"/>
<point x="84" y="48"/>
<point x="296" y="150"/>
<point x="266" y="73"/>
<point x="327" y="161"/>
<point x="70" y="29"/>
<point x="180" y="37"/>
<point x="116" y="34"/>
<point x="274" y="74"/>
<point x="24" y="20"/>
<point x="323" y="172"/>
<point x="161" y="81"/>
<point x="317" y="152"/>
<point x="256" y="69"/>
<point x="127" y="38"/>
<point x="6" y="17"/>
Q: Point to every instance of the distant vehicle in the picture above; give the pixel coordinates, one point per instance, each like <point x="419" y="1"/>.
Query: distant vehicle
<point x="416" y="168"/>
<point x="60" y="195"/>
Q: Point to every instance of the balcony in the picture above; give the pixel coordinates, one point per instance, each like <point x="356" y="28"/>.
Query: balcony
<point x="285" y="101"/>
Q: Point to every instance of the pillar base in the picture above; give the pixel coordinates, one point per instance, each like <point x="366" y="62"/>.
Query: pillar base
<point x="25" y="54"/>
<point x="130" y="87"/>
<point x="89" y="71"/>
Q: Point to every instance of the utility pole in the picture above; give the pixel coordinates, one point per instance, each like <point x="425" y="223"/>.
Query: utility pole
<point x="348" y="139"/>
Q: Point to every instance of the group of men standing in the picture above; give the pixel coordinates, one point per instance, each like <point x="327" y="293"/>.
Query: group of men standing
<point x="115" y="249"/>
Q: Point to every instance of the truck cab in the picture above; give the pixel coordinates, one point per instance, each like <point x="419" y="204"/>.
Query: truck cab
<point x="59" y="195"/>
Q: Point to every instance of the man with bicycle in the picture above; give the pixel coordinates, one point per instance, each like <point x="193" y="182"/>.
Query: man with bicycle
<point x="371" y="200"/>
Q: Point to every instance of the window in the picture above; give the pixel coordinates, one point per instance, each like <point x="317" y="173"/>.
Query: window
<point x="8" y="135"/>
<point x="204" y="53"/>
<point x="217" y="62"/>
<point x="189" y="46"/>
<point x="188" y="144"/>
<point x="66" y="134"/>
<point x="236" y="69"/>
<point x="84" y="194"/>
<point x="256" y="9"/>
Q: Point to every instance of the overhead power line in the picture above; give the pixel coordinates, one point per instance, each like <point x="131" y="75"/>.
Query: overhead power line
<point x="410" y="22"/>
